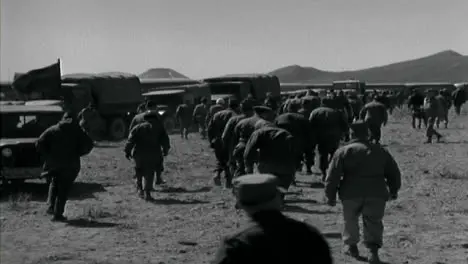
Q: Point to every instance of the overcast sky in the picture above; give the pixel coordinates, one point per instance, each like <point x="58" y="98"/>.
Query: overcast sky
<point x="202" y="38"/>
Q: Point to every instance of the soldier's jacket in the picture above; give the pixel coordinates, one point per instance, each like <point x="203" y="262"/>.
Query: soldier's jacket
<point x="431" y="107"/>
<point x="218" y="123"/>
<point x="62" y="145"/>
<point x="138" y="119"/>
<point x="448" y="99"/>
<point x="183" y="114"/>
<point x="361" y="169"/>
<point x="310" y="103"/>
<point x="442" y="103"/>
<point x="300" y="129"/>
<point x="385" y="101"/>
<point x="228" y="138"/>
<point x="328" y="122"/>
<point x="375" y="113"/>
<point x="200" y="112"/>
<point x="89" y="118"/>
<point x="356" y="106"/>
<point x="147" y="142"/>
<point x="275" y="150"/>
<point x="261" y="123"/>
<point x="341" y="102"/>
<point x="213" y="110"/>
<point x="274" y="238"/>
<point x="245" y="128"/>
<point x="459" y="96"/>
<point x="415" y="101"/>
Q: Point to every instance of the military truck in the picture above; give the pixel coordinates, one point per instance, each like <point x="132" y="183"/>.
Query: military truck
<point x="240" y="86"/>
<point x="148" y="85"/>
<point x="169" y="98"/>
<point x="115" y="95"/>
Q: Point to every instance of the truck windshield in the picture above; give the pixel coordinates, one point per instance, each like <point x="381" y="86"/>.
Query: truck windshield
<point x="27" y="125"/>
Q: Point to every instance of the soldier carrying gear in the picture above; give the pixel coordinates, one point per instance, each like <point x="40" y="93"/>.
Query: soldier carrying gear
<point x="199" y="116"/>
<point x="147" y="144"/>
<point x="375" y="115"/>
<point x="220" y="105"/>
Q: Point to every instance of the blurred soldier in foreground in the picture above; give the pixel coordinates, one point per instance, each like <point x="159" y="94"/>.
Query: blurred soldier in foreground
<point x="272" y="148"/>
<point x="415" y="103"/>
<point x="329" y="126"/>
<point x="366" y="176"/>
<point x="215" y="132"/>
<point x="61" y="146"/>
<point x="431" y="111"/>
<point x="443" y="109"/>
<point x="220" y="105"/>
<point x="147" y="143"/>
<point x="184" y="116"/>
<point x="271" y="237"/>
<point x="459" y="98"/>
<point x="375" y="115"/>
<point x="199" y="116"/>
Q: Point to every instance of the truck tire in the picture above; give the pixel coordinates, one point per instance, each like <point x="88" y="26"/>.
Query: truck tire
<point x="169" y="124"/>
<point x="117" y="129"/>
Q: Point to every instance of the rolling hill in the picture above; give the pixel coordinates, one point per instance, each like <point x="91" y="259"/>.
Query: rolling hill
<point x="445" y="66"/>
<point x="162" y="73"/>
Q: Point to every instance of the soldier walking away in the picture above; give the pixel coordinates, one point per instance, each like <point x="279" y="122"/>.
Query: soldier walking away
<point x="366" y="176"/>
<point x="147" y="144"/>
<point x="220" y="105"/>
<point x="91" y="121"/>
<point x="271" y="237"/>
<point x="229" y="138"/>
<point x="272" y="148"/>
<point x="459" y="98"/>
<point x="356" y="105"/>
<point x="61" y="146"/>
<point x="443" y="109"/>
<point x="184" y="116"/>
<point x="415" y="104"/>
<point x="431" y="111"/>
<point x="375" y="115"/>
<point x="140" y="117"/>
<point x="215" y="132"/>
<point x="199" y="116"/>
<point x="329" y="126"/>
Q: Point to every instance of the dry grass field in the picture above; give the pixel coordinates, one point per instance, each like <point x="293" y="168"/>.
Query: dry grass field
<point x="428" y="224"/>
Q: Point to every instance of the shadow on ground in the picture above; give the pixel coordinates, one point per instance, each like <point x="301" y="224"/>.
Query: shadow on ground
<point x="171" y="201"/>
<point x="184" y="190"/>
<point x="85" y="223"/>
<point x="37" y="191"/>
<point x="298" y="200"/>
<point x="302" y="210"/>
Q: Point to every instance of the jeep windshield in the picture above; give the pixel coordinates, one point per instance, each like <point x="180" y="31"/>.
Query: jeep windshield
<point x="27" y="125"/>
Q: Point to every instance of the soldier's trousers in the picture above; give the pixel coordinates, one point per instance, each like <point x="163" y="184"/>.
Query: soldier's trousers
<point x="326" y="149"/>
<point x="61" y="183"/>
<point x="144" y="178"/>
<point x="285" y="179"/>
<point x="201" y="127"/>
<point x="420" y="116"/>
<point x="222" y="158"/>
<point x="442" y="117"/>
<point x="238" y="156"/>
<point x="184" y="129"/>
<point x="457" y="109"/>
<point x="375" y="131"/>
<point x="372" y="211"/>
<point x="430" y="131"/>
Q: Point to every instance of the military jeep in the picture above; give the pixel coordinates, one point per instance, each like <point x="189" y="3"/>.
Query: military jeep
<point x="21" y="127"/>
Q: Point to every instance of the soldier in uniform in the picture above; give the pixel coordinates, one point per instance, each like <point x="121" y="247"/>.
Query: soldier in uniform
<point x="272" y="148"/>
<point x="220" y="105"/>
<point x="366" y="176"/>
<point x="271" y="237"/>
<point x="61" y="146"/>
<point x="375" y="115"/>
<point x="91" y="121"/>
<point x="431" y="111"/>
<point x="215" y="132"/>
<point x="443" y="107"/>
<point x="147" y="143"/>
<point x="459" y="98"/>
<point x="329" y="126"/>
<point x="199" y="116"/>
<point x="140" y="118"/>
<point x="415" y="103"/>
<point x="356" y="105"/>
<point x="184" y="116"/>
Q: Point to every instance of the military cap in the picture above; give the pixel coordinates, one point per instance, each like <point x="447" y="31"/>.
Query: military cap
<point x="359" y="128"/>
<point x="246" y="105"/>
<point x="261" y="109"/>
<point x="256" y="191"/>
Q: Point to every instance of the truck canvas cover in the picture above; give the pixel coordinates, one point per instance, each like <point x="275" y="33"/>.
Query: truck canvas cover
<point x="260" y="83"/>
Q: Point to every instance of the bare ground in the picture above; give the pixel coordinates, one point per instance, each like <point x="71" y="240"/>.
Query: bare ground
<point x="109" y="224"/>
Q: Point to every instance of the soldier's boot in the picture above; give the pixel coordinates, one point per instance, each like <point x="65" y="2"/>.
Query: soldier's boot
<point x="352" y="251"/>
<point x="439" y="138"/>
<point x="147" y="196"/>
<point x="159" y="180"/>
<point x="429" y="140"/>
<point x="50" y="210"/>
<point x="59" y="218"/>
<point x="217" y="179"/>
<point x="373" y="257"/>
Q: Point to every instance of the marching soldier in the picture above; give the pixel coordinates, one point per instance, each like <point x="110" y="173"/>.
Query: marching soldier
<point x="366" y="176"/>
<point x="147" y="144"/>
<point x="140" y="118"/>
<point x="375" y="115"/>
<point x="199" y="116"/>
<point x="459" y="98"/>
<point x="183" y="115"/>
<point x="229" y="138"/>
<point x="443" y="109"/>
<point x="329" y="126"/>
<point x="431" y="111"/>
<point x="356" y="105"/>
<point x="215" y="132"/>
<point x="272" y="237"/>
<point x="61" y="146"/>
<point x="415" y="103"/>
<point x="220" y="105"/>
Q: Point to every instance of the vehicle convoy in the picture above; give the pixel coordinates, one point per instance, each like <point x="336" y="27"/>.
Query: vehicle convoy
<point x="21" y="127"/>
<point x="240" y="86"/>
<point x="115" y="95"/>
<point x="169" y="98"/>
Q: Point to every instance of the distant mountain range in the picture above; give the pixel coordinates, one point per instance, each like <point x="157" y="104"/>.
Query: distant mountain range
<point x="446" y="66"/>
<point x="162" y="73"/>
